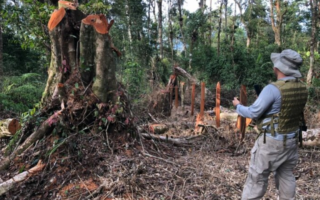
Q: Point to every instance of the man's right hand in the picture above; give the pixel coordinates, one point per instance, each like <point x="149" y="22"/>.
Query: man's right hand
<point x="235" y="101"/>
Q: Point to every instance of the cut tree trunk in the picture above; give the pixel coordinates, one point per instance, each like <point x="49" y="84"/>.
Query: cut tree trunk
<point x="81" y="88"/>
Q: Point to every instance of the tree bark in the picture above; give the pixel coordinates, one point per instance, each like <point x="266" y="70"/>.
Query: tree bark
<point x="128" y="23"/>
<point x="219" y="29"/>
<point x="246" y="24"/>
<point x="1" y="50"/>
<point x="181" y="27"/>
<point x="277" y="26"/>
<point x="313" y="40"/>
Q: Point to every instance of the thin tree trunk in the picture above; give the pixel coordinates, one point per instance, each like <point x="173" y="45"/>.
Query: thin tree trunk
<point x="160" y="42"/>
<point x="313" y="5"/>
<point x="226" y="18"/>
<point x="149" y="20"/>
<point x="211" y="22"/>
<point x="170" y="29"/>
<point x="1" y="51"/>
<point x="245" y="24"/>
<point x="277" y="26"/>
<point x="181" y="28"/>
<point x="219" y="29"/>
<point x="127" y="7"/>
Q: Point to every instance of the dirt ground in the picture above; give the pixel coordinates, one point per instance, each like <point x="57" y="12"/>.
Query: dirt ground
<point x="87" y="167"/>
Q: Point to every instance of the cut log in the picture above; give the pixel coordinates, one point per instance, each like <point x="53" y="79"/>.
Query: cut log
<point x="7" y="185"/>
<point x="176" y="141"/>
<point x="311" y="138"/>
<point x="158" y="128"/>
<point x="9" y="127"/>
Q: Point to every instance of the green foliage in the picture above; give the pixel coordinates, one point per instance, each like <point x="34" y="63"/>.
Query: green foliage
<point x="20" y="93"/>
<point x="94" y="6"/>
<point x="134" y="77"/>
<point x="232" y="69"/>
<point x="17" y="60"/>
<point x="29" y="23"/>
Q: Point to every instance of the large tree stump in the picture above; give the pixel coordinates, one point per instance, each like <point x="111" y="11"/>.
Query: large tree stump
<point x="81" y="88"/>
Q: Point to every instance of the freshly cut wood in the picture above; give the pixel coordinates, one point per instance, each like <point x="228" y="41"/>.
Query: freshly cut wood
<point x="243" y="100"/>
<point x="9" y="127"/>
<point x="7" y="185"/>
<point x="218" y="105"/>
<point x="229" y="117"/>
<point x="200" y="116"/>
<point x="311" y="138"/>
<point x="158" y="128"/>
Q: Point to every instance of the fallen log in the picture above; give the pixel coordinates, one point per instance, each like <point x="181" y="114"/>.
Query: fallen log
<point x="311" y="138"/>
<point x="45" y="128"/>
<point x="177" y="141"/>
<point x="9" y="127"/>
<point x="7" y="185"/>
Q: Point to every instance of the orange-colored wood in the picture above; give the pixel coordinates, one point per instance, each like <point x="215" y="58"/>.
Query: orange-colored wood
<point x="193" y="95"/>
<point x="56" y="18"/>
<point x="99" y="22"/>
<point x="176" y="102"/>
<point x="217" y="110"/>
<point x="14" y="126"/>
<point x="60" y="85"/>
<point x="248" y="121"/>
<point x="171" y="94"/>
<point x="243" y="101"/>
<point x="203" y="86"/>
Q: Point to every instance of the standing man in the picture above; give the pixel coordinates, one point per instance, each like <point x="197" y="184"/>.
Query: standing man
<point x="278" y="111"/>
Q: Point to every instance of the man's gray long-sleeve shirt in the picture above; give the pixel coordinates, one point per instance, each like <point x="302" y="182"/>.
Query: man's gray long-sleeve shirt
<point x="268" y="102"/>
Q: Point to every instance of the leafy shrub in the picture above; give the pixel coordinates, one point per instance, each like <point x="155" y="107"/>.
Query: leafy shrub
<point x="20" y="93"/>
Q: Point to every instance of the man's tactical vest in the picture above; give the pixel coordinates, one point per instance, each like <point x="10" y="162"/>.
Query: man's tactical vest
<point x="293" y="99"/>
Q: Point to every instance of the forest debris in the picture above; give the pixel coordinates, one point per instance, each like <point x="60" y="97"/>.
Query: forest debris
<point x="154" y="119"/>
<point x="158" y="128"/>
<point x="7" y="185"/>
<point x="311" y="137"/>
<point x="177" y="141"/>
<point x="9" y="127"/>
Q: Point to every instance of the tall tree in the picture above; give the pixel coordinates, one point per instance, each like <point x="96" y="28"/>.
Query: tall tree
<point x="1" y="42"/>
<point x="180" y="3"/>
<point x="243" y="21"/>
<point x="277" y="11"/>
<point x="1" y="50"/>
<point x="313" y="40"/>
<point x="160" y="39"/>
<point x="127" y="7"/>
<point x="219" y="28"/>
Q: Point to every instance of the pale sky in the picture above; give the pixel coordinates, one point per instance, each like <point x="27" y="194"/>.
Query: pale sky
<point x="193" y="5"/>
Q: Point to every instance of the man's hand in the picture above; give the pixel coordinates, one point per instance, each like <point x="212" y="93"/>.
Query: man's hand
<point x="235" y="101"/>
